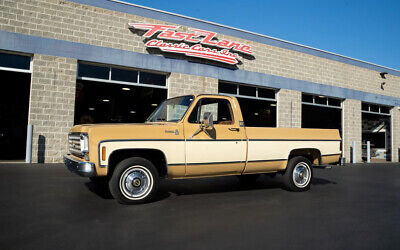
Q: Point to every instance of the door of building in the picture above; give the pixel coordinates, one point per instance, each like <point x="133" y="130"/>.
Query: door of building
<point x="14" y="107"/>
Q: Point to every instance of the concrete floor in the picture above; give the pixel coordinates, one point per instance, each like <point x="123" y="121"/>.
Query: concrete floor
<point x="352" y="207"/>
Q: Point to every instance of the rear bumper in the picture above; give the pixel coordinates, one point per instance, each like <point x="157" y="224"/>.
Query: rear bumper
<point x="82" y="168"/>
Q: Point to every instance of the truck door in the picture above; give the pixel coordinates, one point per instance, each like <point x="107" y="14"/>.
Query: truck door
<point x="219" y="149"/>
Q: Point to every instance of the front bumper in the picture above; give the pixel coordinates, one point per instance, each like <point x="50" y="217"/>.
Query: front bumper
<point x="82" y="168"/>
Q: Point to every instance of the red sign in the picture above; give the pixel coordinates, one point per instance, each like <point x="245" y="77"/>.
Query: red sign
<point x="191" y="43"/>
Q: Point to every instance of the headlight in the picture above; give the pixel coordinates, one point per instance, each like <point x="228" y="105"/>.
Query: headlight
<point x="84" y="140"/>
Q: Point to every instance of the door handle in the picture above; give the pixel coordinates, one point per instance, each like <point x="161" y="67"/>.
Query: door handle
<point x="234" y="129"/>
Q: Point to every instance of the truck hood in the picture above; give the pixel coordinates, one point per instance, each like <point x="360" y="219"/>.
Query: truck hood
<point x="100" y="132"/>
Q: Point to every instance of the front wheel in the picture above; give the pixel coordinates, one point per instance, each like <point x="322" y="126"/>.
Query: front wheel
<point x="134" y="181"/>
<point x="298" y="174"/>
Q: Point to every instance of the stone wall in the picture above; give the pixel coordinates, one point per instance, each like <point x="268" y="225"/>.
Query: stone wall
<point x="182" y="84"/>
<point x="51" y="106"/>
<point x="352" y="128"/>
<point x="395" y="126"/>
<point x="289" y="108"/>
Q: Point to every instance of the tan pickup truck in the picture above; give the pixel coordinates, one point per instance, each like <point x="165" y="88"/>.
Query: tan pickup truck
<point x="195" y="136"/>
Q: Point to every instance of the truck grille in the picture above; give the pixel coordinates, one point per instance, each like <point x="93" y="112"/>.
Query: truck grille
<point x="74" y="144"/>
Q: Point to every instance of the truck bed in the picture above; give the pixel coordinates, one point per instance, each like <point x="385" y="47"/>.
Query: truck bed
<point x="272" y="146"/>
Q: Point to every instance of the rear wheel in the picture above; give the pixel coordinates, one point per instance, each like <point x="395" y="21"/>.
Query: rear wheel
<point x="134" y="181"/>
<point x="298" y="174"/>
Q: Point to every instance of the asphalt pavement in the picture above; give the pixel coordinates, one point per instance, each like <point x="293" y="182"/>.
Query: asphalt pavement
<point x="352" y="207"/>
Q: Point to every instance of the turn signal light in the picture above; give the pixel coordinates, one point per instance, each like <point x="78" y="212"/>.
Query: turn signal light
<point x="103" y="153"/>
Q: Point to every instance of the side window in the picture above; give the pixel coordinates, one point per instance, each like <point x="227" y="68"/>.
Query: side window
<point x="220" y="108"/>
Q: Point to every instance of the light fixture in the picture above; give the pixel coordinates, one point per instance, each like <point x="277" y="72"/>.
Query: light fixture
<point x="273" y="104"/>
<point x="106" y="100"/>
<point x="91" y="109"/>
<point x="154" y="104"/>
<point x="321" y="96"/>
<point x="132" y="112"/>
<point x="255" y="113"/>
<point x="127" y="89"/>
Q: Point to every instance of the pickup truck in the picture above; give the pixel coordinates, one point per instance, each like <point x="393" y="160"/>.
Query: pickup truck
<point x="195" y="136"/>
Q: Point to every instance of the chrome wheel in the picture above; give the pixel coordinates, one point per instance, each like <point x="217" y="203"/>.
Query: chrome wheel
<point x="136" y="182"/>
<point x="301" y="174"/>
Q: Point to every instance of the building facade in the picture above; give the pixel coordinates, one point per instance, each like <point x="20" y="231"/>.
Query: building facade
<point x="85" y="61"/>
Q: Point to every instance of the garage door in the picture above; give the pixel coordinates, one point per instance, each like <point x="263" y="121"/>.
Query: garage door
<point x="15" y="75"/>
<point x="108" y="94"/>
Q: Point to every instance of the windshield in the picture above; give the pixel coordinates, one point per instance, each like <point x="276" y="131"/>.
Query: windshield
<point x="171" y="110"/>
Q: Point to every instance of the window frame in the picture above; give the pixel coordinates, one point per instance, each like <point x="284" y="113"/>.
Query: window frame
<point x="246" y="96"/>
<point x="327" y="105"/>
<point x="198" y="113"/>
<point x="17" y="69"/>
<point x="273" y="100"/>
<point x="379" y="109"/>
<point x="109" y="80"/>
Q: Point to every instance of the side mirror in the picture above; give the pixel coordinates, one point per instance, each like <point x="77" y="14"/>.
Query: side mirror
<point x="208" y="121"/>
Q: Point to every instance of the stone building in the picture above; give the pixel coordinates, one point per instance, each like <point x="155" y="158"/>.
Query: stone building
<point x="84" y="61"/>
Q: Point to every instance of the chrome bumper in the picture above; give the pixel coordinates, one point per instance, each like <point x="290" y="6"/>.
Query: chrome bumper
<point x="85" y="169"/>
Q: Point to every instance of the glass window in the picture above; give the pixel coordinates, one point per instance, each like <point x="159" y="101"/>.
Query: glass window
<point x="227" y="88"/>
<point x="365" y="106"/>
<point x="124" y="75"/>
<point x="321" y="100"/>
<point x="307" y="98"/>
<point x="374" y="108"/>
<point x="385" y="110"/>
<point x="266" y="93"/>
<point x="100" y="102"/>
<point x="334" y="102"/>
<point x="171" y="110"/>
<point x="15" y="61"/>
<point x="258" y="113"/>
<point x="220" y="109"/>
<point x="153" y="79"/>
<point x="247" y="91"/>
<point x="92" y="71"/>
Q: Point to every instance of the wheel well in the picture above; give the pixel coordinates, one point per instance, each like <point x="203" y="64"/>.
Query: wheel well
<point x="312" y="154"/>
<point x="156" y="157"/>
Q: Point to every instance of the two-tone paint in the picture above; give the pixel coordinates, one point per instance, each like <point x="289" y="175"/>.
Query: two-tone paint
<point x="234" y="150"/>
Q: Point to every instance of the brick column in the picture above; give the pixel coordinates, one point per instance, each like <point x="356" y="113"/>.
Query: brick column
<point x="51" y="105"/>
<point x="182" y="84"/>
<point x="289" y="108"/>
<point x="395" y="127"/>
<point x="352" y="128"/>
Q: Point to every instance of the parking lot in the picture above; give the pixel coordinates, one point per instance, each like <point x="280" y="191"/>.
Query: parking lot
<point x="352" y="207"/>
